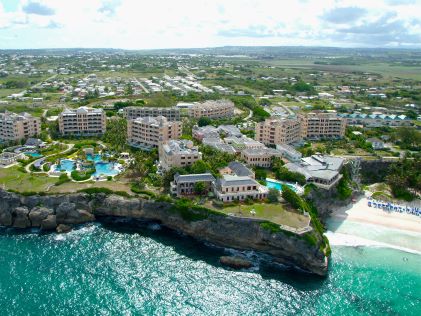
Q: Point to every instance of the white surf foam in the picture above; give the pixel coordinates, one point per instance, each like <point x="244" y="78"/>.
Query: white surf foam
<point x="340" y="239"/>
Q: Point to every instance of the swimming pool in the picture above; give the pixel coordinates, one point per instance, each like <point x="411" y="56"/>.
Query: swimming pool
<point x="65" y="165"/>
<point x="274" y="184"/>
<point x="33" y="154"/>
<point x="94" y="158"/>
<point x="105" y="169"/>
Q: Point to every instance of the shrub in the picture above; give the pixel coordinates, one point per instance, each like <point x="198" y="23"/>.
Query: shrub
<point x="106" y="191"/>
<point x="136" y="189"/>
<point x="82" y="175"/>
<point x="344" y="191"/>
<point x="273" y="195"/>
<point x="62" y="179"/>
<point x="271" y="227"/>
<point x="284" y="174"/>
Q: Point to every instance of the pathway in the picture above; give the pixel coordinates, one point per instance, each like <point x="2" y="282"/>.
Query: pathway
<point x="28" y="166"/>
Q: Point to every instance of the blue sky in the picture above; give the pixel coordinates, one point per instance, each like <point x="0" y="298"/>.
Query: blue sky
<point x="139" y="24"/>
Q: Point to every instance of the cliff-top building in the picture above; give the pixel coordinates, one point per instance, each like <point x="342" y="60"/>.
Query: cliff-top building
<point x="83" y="121"/>
<point x="15" y="127"/>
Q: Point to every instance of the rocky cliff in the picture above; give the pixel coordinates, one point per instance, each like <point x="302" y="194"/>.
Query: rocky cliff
<point x="47" y="212"/>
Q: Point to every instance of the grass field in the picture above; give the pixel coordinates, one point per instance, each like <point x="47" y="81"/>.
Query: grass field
<point x="13" y="179"/>
<point x="73" y="186"/>
<point x="384" y="69"/>
<point x="276" y="213"/>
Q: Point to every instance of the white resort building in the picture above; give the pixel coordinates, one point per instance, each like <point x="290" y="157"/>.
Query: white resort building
<point x="235" y="188"/>
<point x="323" y="171"/>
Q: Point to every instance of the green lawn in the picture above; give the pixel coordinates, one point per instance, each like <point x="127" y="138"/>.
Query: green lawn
<point x="273" y="212"/>
<point x="13" y="179"/>
<point x="73" y="186"/>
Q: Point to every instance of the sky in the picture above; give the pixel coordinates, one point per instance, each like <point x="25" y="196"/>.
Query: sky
<point x="152" y="24"/>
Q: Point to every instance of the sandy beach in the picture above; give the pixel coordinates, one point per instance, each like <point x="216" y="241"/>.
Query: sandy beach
<point x="362" y="213"/>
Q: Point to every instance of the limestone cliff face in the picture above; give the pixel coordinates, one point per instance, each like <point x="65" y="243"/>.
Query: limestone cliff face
<point x="245" y="234"/>
<point x="327" y="201"/>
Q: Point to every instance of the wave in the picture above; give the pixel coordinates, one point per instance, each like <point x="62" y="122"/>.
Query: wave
<point x="76" y="233"/>
<point x="340" y="239"/>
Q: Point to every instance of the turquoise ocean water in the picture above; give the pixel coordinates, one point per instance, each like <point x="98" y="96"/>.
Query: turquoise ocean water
<point x="99" y="270"/>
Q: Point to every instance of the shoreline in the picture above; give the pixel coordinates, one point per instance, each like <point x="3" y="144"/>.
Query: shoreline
<point x="362" y="213"/>
<point x="358" y="224"/>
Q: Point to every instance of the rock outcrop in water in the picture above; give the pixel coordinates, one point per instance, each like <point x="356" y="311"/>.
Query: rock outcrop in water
<point x="47" y="212"/>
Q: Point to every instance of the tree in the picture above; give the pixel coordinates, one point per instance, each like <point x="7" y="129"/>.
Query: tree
<point x="409" y="137"/>
<point x="129" y="90"/>
<point x="200" y="187"/>
<point x="200" y="166"/>
<point x="290" y="176"/>
<point x="204" y="121"/>
<point x="116" y="134"/>
<point x="273" y="195"/>
<point x="260" y="173"/>
<point x="292" y="198"/>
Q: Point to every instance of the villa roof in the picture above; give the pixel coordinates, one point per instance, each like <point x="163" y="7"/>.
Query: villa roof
<point x="239" y="169"/>
<point x="228" y="180"/>
<point x="205" y="177"/>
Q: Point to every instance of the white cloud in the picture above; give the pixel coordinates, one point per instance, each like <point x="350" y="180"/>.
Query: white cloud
<point x="137" y="24"/>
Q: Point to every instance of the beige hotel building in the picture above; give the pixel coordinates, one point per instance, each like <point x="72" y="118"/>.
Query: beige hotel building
<point x="83" y="121"/>
<point x="317" y="125"/>
<point x="133" y="112"/>
<point x="178" y="153"/>
<point x="149" y="132"/>
<point x="278" y="131"/>
<point x="212" y="109"/>
<point x="15" y="127"/>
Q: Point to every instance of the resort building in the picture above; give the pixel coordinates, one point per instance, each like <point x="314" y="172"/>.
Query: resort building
<point x="15" y="127"/>
<point x="323" y="171"/>
<point x="83" y="121"/>
<point x="278" y="131"/>
<point x="238" y="169"/>
<point x="186" y="184"/>
<point x="289" y="152"/>
<point x="260" y="157"/>
<point x="376" y="120"/>
<point x="243" y="143"/>
<point x="8" y="158"/>
<point x="133" y="112"/>
<point x="208" y="131"/>
<point x="234" y="188"/>
<point x="212" y="109"/>
<point x="148" y="132"/>
<point x="229" y="130"/>
<point x="178" y="153"/>
<point x="321" y="125"/>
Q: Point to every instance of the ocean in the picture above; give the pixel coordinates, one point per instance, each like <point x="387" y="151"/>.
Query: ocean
<point x="106" y="270"/>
